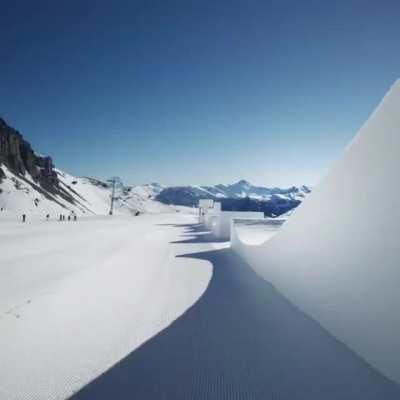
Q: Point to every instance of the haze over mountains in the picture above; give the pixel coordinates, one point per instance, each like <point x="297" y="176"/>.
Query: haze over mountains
<point x="30" y="184"/>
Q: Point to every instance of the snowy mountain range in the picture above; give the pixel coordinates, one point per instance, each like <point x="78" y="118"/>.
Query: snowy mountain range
<point x="236" y="190"/>
<point x="30" y="184"/>
<point x="239" y="196"/>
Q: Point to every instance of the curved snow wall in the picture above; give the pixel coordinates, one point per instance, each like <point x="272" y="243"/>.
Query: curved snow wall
<point x="338" y="257"/>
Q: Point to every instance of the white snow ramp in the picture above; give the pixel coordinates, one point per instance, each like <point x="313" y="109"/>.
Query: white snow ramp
<point x="338" y="256"/>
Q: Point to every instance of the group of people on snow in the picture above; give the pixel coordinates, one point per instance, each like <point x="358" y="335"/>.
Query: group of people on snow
<point x="61" y="217"/>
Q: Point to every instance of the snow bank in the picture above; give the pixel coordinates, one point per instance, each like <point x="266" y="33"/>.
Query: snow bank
<point x="337" y="257"/>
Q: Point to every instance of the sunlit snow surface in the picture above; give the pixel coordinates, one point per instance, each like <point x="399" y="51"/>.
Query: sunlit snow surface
<point x="75" y="297"/>
<point x="150" y="307"/>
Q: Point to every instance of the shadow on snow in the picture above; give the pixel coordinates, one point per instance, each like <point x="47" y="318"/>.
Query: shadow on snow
<point x="241" y="340"/>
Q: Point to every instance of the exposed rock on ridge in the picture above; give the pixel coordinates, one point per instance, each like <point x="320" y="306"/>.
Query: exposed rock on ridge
<point x="18" y="156"/>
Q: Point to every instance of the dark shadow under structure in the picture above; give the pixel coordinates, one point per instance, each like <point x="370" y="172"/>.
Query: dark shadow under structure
<point x="241" y="341"/>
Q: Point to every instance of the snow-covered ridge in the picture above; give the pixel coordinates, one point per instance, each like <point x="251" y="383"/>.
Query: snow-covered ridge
<point x="238" y="190"/>
<point x="337" y="257"/>
<point x="21" y="195"/>
<point x="239" y="196"/>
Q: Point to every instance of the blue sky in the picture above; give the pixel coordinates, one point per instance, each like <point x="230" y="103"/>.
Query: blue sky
<point x="196" y="92"/>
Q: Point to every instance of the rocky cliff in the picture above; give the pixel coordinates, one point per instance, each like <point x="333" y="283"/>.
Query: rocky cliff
<point x="18" y="156"/>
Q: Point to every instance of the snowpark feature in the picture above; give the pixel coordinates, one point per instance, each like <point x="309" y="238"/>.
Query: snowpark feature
<point x="219" y="222"/>
<point x="338" y="257"/>
<point x="241" y="340"/>
<point x="221" y="226"/>
<point x="151" y="307"/>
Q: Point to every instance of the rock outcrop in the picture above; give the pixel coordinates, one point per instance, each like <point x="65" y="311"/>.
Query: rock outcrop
<point x="20" y="159"/>
<point x="17" y="155"/>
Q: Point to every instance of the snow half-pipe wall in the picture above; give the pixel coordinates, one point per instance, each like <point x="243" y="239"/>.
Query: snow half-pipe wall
<point x="338" y="257"/>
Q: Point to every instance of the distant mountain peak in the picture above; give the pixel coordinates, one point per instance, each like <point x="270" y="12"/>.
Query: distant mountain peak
<point x="243" y="182"/>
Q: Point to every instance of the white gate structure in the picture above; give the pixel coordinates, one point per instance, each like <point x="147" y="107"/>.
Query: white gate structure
<point x="219" y="222"/>
<point x="204" y="206"/>
<point x="221" y="228"/>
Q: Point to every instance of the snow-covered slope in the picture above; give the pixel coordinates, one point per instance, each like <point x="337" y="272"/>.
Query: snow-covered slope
<point x="75" y="298"/>
<point x="148" y="190"/>
<point x="142" y="197"/>
<point x="337" y="257"/>
<point x="89" y="197"/>
<point x="31" y="185"/>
